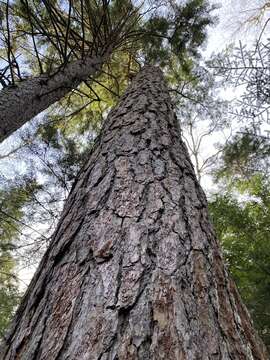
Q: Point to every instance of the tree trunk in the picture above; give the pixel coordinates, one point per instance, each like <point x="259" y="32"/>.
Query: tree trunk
<point x="22" y="102"/>
<point x="134" y="270"/>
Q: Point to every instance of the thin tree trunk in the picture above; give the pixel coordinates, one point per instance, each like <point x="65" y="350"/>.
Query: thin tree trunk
<point x="134" y="270"/>
<point x="20" y="103"/>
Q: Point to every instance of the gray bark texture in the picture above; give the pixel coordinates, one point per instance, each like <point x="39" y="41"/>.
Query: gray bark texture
<point x="20" y="103"/>
<point x="134" y="271"/>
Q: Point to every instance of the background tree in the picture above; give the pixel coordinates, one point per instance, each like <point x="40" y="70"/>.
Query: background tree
<point x="80" y="39"/>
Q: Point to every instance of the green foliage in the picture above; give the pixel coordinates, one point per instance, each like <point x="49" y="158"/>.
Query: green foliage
<point x="12" y="201"/>
<point x="9" y="293"/>
<point x="241" y="216"/>
<point x="243" y="228"/>
<point x="66" y="154"/>
<point x="190" y="30"/>
<point x="180" y="32"/>
<point x="244" y="155"/>
<point x="13" y="198"/>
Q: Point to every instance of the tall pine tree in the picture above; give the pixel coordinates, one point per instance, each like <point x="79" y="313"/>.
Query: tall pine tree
<point x="134" y="270"/>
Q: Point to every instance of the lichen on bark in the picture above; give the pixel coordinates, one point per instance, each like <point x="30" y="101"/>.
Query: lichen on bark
<point x="134" y="270"/>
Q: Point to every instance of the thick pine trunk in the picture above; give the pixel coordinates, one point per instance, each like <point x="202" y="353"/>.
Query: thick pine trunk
<point x="134" y="270"/>
<point x="20" y="103"/>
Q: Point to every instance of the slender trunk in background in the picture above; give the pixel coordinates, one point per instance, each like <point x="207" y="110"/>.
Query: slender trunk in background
<point x="134" y="270"/>
<point x="20" y="103"/>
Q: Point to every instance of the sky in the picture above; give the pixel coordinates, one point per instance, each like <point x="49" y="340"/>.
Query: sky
<point x="227" y="31"/>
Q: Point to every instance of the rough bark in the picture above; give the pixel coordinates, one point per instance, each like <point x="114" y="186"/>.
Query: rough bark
<point x="134" y="270"/>
<point x="27" y="99"/>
